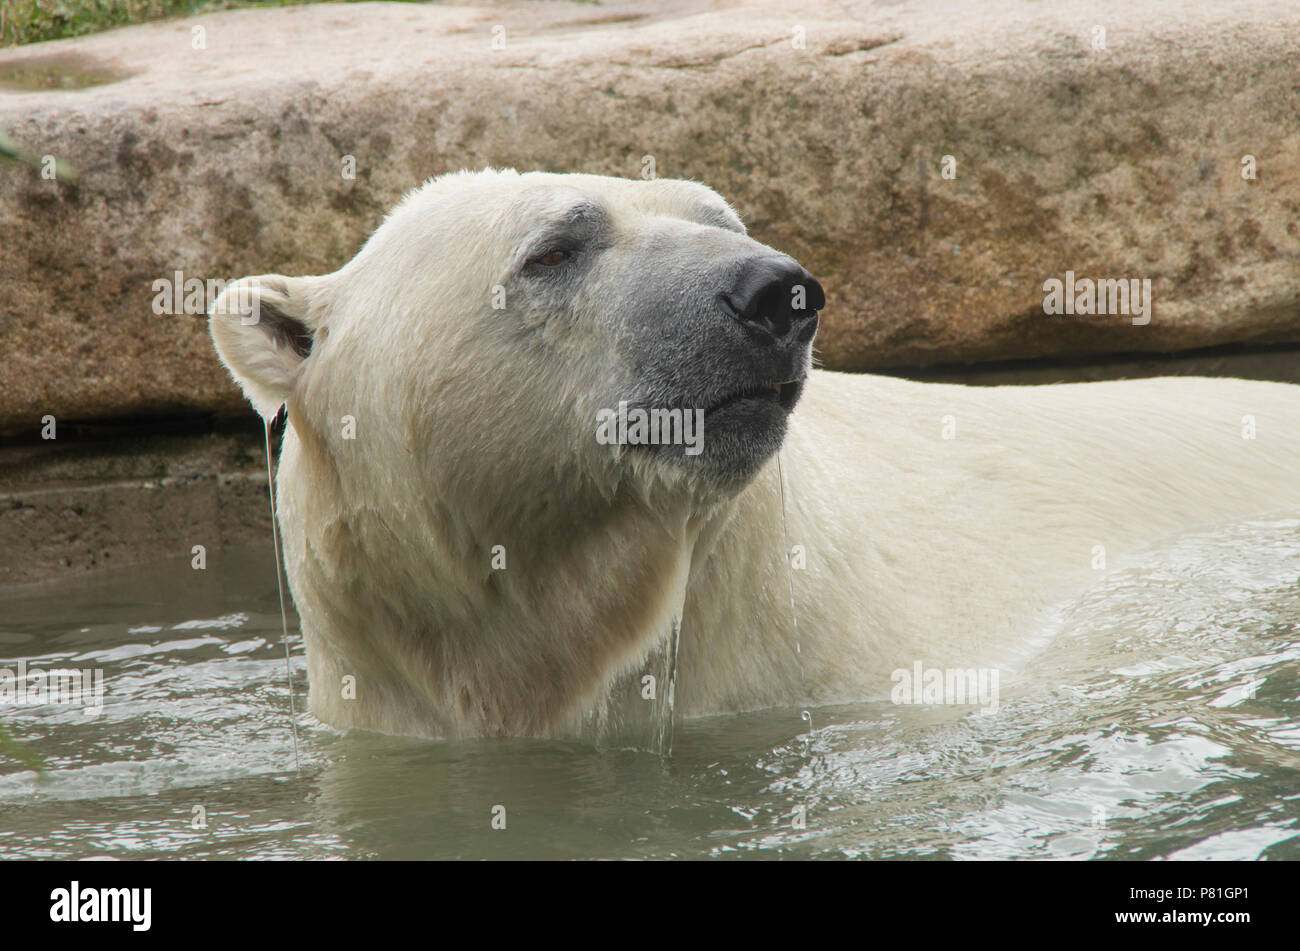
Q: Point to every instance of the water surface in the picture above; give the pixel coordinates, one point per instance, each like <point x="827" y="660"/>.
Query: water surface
<point x="1162" y="721"/>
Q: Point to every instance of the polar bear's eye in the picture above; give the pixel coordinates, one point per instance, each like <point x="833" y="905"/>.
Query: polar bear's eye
<point x="553" y="257"/>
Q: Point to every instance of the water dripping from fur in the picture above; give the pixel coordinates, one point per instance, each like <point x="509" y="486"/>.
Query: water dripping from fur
<point x="665" y="710"/>
<point x="638" y="711"/>
<point x="279" y="585"/>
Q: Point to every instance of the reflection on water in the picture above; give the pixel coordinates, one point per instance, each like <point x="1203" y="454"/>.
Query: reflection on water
<point x="1162" y="721"/>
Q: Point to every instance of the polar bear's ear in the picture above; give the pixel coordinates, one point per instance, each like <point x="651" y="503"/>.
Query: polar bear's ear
<point x="263" y="332"/>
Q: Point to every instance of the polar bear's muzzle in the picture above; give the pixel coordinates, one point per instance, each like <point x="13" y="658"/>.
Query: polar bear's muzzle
<point x="775" y="301"/>
<point x="742" y="369"/>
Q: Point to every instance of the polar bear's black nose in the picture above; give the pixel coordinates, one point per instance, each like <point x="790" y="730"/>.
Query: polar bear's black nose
<point x="775" y="300"/>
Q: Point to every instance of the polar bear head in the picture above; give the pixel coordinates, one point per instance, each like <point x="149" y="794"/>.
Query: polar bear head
<point x="496" y="319"/>
<point x="473" y="379"/>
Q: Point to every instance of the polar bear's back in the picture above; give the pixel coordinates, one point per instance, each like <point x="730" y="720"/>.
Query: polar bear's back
<point x="1194" y="448"/>
<point x="969" y="509"/>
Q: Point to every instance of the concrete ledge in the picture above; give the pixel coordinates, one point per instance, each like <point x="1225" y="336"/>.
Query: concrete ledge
<point x="73" y="507"/>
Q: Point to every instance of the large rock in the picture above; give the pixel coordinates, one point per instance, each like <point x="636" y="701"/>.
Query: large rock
<point x="827" y="129"/>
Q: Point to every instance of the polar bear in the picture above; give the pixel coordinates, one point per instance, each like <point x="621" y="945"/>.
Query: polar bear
<point x="470" y="558"/>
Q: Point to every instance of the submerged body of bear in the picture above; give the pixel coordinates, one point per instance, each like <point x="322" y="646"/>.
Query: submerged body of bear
<point x="462" y="545"/>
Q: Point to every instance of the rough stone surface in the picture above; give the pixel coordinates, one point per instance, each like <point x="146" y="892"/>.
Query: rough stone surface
<point x="227" y="160"/>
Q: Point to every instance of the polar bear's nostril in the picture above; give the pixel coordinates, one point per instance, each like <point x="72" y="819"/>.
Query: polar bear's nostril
<point x="775" y="300"/>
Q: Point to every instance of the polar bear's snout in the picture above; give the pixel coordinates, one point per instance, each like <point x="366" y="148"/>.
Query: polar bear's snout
<point x="722" y="329"/>
<point x="733" y="352"/>
<point x="776" y="301"/>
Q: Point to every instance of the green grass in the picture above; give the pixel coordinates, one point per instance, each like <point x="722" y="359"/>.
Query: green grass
<point x="33" y="21"/>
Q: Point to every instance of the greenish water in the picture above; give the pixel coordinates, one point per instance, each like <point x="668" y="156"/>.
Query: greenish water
<point x="1162" y="721"/>
<point x="59" y="71"/>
